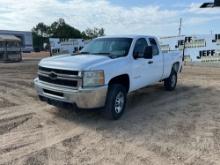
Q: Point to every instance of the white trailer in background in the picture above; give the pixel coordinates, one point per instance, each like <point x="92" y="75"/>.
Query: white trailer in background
<point x="201" y="48"/>
<point x="72" y="45"/>
<point x="65" y="46"/>
<point x="54" y="46"/>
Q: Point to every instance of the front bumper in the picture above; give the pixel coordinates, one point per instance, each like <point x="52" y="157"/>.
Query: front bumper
<point x="83" y="98"/>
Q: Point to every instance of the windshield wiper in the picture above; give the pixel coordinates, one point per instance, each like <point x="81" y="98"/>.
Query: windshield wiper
<point x="102" y="53"/>
<point x="110" y="55"/>
<point x="84" y="53"/>
<point x="116" y="56"/>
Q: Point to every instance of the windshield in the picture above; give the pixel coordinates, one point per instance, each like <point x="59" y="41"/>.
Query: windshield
<point x="112" y="47"/>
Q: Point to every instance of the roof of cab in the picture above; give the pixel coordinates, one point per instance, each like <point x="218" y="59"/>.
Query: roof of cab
<point x="127" y="36"/>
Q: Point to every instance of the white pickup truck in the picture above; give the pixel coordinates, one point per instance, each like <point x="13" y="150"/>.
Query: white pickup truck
<point x="105" y="71"/>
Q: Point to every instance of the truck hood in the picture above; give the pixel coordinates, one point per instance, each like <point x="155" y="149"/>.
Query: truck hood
<point x="76" y="62"/>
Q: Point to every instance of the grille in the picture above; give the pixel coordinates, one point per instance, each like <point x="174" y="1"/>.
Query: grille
<point x="65" y="72"/>
<point x="65" y="78"/>
<point x="70" y="83"/>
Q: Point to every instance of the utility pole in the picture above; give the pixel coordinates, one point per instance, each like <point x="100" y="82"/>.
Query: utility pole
<point x="180" y="27"/>
<point x="180" y="32"/>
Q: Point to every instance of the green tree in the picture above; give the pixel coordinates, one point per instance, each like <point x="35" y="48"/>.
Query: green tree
<point x="60" y="29"/>
<point x="41" y="29"/>
<point x="93" y="33"/>
<point x="40" y="35"/>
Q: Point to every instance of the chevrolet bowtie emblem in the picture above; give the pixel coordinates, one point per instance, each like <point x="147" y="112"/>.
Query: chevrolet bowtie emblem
<point x="53" y="75"/>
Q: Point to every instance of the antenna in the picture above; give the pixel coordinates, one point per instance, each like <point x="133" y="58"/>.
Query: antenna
<point x="180" y="27"/>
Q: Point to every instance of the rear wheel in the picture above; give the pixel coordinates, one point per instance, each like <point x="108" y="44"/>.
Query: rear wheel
<point x="171" y="81"/>
<point x="115" y="102"/>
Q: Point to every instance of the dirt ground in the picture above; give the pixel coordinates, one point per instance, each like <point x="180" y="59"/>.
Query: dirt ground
<point x="158" y="128"/>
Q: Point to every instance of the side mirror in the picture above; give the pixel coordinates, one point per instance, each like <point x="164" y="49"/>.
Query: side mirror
<point x="148" y="52"/>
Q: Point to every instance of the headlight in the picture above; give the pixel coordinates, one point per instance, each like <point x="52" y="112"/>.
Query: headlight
<point x="93" y="78"/>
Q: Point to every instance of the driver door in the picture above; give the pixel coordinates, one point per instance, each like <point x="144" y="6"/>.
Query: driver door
<point x="142" y="70"/>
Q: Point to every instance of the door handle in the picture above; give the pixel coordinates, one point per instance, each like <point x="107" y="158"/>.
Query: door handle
<point x="150" y="62"/>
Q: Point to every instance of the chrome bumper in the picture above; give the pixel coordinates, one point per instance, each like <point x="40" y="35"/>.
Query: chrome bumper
<point x="83" y="98"/>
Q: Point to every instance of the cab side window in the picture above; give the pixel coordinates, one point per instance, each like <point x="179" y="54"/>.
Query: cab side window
<point x="139" y="48"/>
<point x="154" y="46"/>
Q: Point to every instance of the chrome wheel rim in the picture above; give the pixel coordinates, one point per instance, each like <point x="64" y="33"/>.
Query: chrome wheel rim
<point x="119" y="102"/>
<point x="173" y="80"/>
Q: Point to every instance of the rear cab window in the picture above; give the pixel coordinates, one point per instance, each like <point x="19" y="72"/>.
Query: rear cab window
<point x="154" y="46"/>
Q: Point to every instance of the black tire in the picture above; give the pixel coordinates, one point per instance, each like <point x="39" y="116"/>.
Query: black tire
<point x="171" y="81"/>
<point x="114" y="108"/>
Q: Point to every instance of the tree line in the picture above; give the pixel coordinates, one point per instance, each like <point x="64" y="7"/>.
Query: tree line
<point x="60" y="29"/>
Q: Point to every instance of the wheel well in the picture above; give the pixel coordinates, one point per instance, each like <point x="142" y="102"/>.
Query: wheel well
<point x="176" y="66"/>
<point x="122" y="79"/>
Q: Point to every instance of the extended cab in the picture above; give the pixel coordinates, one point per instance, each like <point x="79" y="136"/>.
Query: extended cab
<point x="105" y="71"/>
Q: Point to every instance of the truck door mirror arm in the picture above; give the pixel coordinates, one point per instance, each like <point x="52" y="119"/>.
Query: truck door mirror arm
<point x="136" y="55"/>
<point x="148" y="52"/>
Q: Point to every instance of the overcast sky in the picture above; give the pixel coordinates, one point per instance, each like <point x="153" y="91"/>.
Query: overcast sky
<point x="155" y="17"/>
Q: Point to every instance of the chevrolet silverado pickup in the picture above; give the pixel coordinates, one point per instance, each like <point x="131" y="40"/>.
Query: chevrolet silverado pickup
<point x="105" y="71"/>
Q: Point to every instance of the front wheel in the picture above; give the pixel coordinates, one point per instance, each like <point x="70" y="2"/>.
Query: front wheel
<point x="115" y="102"/>
<point x="171" y="81"/>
